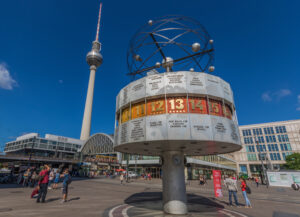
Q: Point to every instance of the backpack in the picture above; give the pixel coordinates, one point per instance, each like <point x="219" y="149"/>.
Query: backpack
<point x="69" y="180"/>
<point x="248" y="189"/>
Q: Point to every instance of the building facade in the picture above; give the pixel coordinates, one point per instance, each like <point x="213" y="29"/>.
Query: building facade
<point x="268" y="144"/>
<point x="51" y="146"/>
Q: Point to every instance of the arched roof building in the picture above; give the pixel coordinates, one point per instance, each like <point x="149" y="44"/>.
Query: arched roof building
<point x="99" y="143"/>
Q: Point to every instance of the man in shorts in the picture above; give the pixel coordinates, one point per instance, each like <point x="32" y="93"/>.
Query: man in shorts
<point x="66" y="181"/>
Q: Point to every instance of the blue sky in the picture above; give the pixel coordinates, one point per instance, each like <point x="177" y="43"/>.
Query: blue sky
<point x="44" y="76"/>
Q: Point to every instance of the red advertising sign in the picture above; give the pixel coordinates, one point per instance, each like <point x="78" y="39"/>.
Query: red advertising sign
<point x="217" y="183"/>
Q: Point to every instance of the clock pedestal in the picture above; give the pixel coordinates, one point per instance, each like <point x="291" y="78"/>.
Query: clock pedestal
<point x="174" y="192"/>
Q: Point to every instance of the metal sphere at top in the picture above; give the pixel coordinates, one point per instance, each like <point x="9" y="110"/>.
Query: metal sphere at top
<point x="94" y="58"/>
<point x="196" y="47"/>
<point x="183" y="39"/>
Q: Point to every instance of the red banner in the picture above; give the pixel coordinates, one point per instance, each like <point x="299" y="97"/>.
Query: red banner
<point x="217" y="183"/>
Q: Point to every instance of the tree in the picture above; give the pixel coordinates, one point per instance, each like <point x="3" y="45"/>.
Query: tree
<point x="293" y="162"/>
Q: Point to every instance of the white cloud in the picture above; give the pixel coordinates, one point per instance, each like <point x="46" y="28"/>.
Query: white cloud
<point x="60" y="81"/>
<point x="6" y="81"/>
<point x="276" y="95"/>
<point x="282" y="93"/>
<point x="266" y="97"/>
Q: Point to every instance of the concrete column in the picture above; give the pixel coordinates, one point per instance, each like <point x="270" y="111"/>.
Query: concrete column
<point x="87" y="117"/>
<point x="174" y="192"/>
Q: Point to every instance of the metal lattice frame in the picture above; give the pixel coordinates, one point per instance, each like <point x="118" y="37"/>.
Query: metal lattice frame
<point x="98" y="144"/>
<point x="169" y="36"/>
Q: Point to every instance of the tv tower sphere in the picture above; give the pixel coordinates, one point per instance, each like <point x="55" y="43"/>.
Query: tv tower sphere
<point x="94" y="58"/>
<point x="181" y="111"/>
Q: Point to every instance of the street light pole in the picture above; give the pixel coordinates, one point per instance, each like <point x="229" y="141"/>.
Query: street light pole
<point x="262" y="163"/>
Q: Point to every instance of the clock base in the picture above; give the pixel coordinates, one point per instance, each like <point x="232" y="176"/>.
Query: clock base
<point x="174" y="192"/>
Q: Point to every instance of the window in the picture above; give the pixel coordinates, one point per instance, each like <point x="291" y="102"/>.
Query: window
<point x="279" y="138"/>
<point x="284" y="129"/>
<point x="278" y="156"/>
<point x="280" y="129"/>
<point x="244" y="132"/>
<point x="286" y="138"/>
<point x="283" y="156"/>
<point x="277" y="130"/>
<point x="285" y="147"/>
<point x="249" y="132"/>
<point x="260" y="131"/>
<point x="289" y="146"/>
<point x="251" y="157"/>
<point x="254" y="132"/>
<point x="245" y="140"/>
<point x="276" y="147"/>
<point x="272" y="131"/>
<point x="267" y="138"/>
<point x="269" y="147"/>
<point x="274" y="139"/>
<point x="265" y="130"/>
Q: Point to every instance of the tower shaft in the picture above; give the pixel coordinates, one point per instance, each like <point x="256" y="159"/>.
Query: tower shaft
<point x="87" y="117"/>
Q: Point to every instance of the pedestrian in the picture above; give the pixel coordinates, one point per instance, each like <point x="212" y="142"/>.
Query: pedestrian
<point x="56" y="179"/>
<point x="244" y="188"/>
<point x="33" y="179"/>
<point x="51" y="178"/>
<point x="66" y="181"/>
<point x="43" y="183"/>
<point x="295" y="186"/>
<point x="121" y="178"/>
<point x="26" y="177"/>
<point x="256" y="181"/>
<point x="232" y="190"/>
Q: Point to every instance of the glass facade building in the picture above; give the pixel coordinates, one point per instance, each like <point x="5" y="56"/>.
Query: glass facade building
<point x="267" y="142"/>
<point x="51" y="146"/>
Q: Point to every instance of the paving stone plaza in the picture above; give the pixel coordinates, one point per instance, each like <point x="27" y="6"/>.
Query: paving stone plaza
<point x="106" y="197"/>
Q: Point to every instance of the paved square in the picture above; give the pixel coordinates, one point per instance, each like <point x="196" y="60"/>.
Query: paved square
<point x="106" y="197"/>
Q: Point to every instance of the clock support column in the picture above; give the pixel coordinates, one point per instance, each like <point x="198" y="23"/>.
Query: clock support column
<point x="174" y="192"/>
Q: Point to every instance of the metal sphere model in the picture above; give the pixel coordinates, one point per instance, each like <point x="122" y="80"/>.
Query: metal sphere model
<point x="174" y="113"/>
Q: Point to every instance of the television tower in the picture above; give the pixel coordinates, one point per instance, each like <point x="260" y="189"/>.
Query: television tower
<point x="94" y="59"/>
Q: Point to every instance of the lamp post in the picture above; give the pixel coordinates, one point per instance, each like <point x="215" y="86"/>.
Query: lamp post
<point x="265" y="176"/>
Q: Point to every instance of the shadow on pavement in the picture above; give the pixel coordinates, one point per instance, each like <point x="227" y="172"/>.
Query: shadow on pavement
<point x="75" y="198"/>
<point x="153" y="201"/>
<point x="52" y="199"/>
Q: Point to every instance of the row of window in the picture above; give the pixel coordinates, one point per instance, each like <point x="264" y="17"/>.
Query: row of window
<point x="267" y="131"/>
<point x="271" y="147"/>
<point x="248" y="140"/>
<point x="283" y="138"/>
<point x="280" y="129"/>
<point x="43" y="141"/>
<point x="246" y="132"/>
<point x="269" y="139"/>
<point x="272" y="156"/>
<point x="49" y="146"/>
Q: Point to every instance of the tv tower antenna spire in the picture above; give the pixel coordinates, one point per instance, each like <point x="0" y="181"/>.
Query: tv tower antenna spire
<point x="98" y="25"/>
<point x="94" y="59"/>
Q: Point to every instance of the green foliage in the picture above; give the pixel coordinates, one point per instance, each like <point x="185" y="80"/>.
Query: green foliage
<point x="293" y="162"/>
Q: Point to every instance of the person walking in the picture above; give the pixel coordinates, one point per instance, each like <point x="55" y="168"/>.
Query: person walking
<point x="256" y="181"/>
<point x="244" y="192"/>
<point x="66" y="181"/>
<point x="26" y="177"/>
<point x="232" y="190"/>
<point x="56" y="180"/>
<point x="51" y="178"/>
<point x="121" y="178"/>
<point x="43" y="183"/>
<point x="33" y="179"/>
